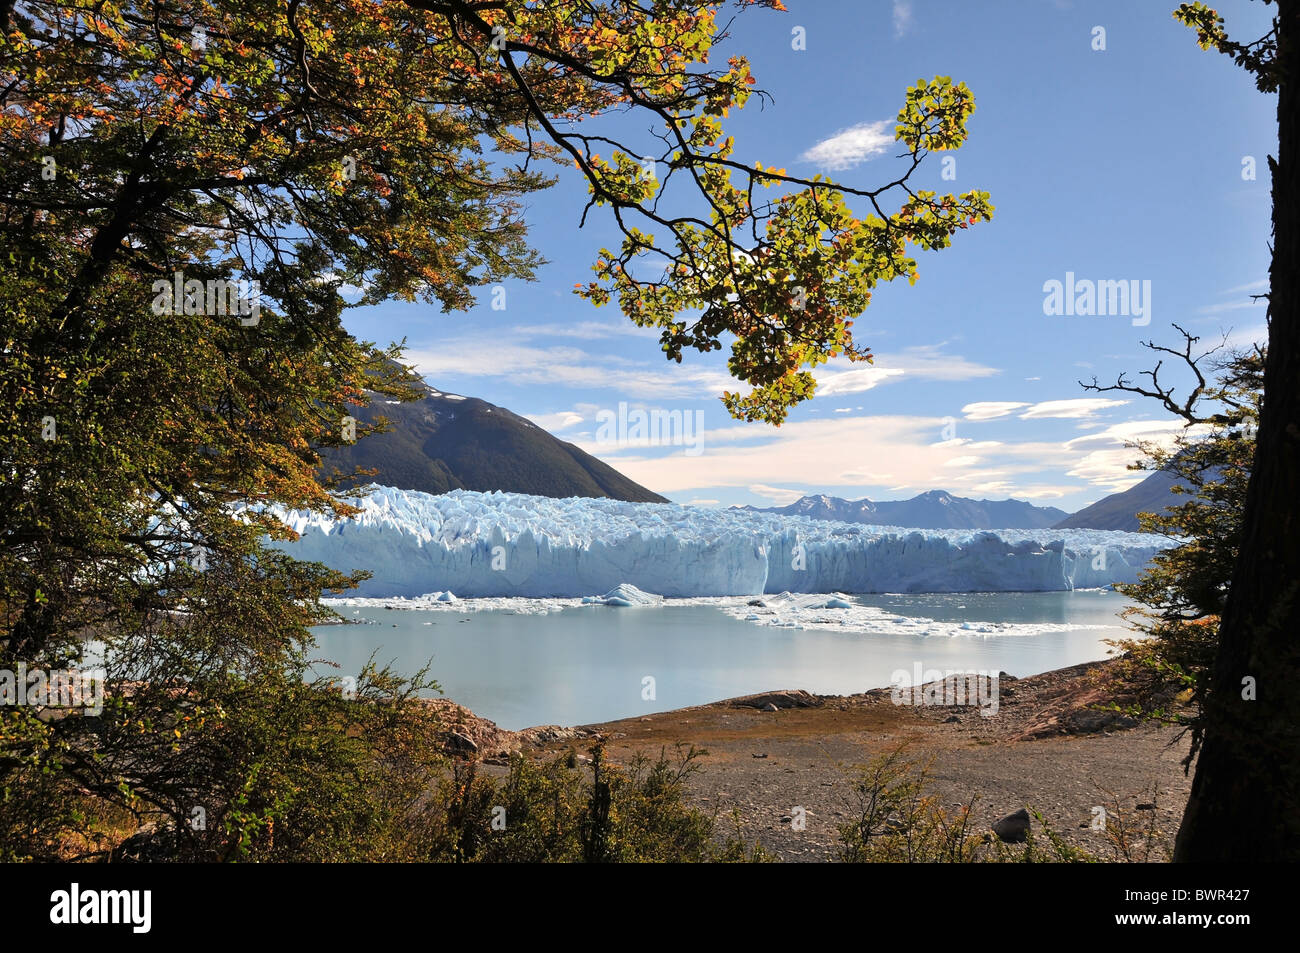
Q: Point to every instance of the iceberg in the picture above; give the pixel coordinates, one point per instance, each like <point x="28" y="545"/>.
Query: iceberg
<point x="514" y="545"/>
<point x="624" y="595"/>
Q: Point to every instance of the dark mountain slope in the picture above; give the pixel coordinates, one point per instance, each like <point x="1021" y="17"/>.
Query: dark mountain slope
<point x="1119" y="510"/>
<point x="445" y="442"/>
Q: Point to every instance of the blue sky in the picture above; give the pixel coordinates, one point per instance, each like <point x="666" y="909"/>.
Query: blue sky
<point x="1117" y="164"/>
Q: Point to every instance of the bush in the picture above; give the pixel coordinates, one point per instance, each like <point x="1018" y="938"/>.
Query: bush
<point x="895" y="819"/>
<point x="557" y="812"/>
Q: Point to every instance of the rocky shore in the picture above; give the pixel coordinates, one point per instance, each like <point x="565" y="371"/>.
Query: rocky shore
<point x="1052" y="746"/>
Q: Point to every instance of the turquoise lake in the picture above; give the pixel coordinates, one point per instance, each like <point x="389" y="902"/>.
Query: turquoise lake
<point x="582" y="665"/>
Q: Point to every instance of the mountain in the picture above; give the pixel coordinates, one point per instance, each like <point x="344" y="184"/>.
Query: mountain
<point x="445" y="442"/>
<point x="933" y="510"/>
<point x="824" y="508"/>
<point x="1119" y="510"/>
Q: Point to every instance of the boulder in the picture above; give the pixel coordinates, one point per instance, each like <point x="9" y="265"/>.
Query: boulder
<point x="794" y="699"/>
<point x="1014" y="828"/>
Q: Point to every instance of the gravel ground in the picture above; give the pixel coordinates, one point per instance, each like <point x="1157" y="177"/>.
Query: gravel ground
<point x="1048" y="748"/>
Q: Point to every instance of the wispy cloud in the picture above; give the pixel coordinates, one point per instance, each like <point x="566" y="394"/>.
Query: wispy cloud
<point x="490" y="357"/>
<point x="902" y="16"/>
<point x="1108" y="453"/>
<point x="556" y="422"/>
<point x="584" y="330"/>
<point x="1077" y="407"/>
<point x="778" y="494"/>
<point x="855" y="456"/>
<point x="1244" y="339"/>
<point x="991" y="409"/>
<point x="1231" y="306"/>
<point x="925" y="363"/>
<point x="879" y="456"/>
<point x="852" y="146"/>
<point x="1260" y="285"/>
<point x="854" y="381"/>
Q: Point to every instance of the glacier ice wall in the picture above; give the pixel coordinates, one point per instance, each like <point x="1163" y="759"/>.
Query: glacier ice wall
<point x="511" y="544"/>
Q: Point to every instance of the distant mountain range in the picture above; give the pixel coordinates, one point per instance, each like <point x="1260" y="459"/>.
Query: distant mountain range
<point x="445" y="442"/>
<point x="940" y="510"/>
<point x="933" y="510"/>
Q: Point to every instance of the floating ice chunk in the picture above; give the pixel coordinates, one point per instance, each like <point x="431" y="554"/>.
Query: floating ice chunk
<point x="625" y="595"/>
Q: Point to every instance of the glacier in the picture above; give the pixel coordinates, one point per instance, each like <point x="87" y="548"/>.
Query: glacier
<point x="498" y="544"/>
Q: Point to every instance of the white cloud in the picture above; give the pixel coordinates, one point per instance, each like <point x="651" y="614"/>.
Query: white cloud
<point x="902" y="16"/>
<point x="925" y="363"/>
<point x="1108" y="469"/>
<point x="865" y="478"/>
<point x="1044" y="492"/>
<point x="1134" y="430"/>
<point x="1261" y="285"/>
<point x="1073" y="408"/>
<point x="562" y="420"/>
<point x="1246" y="338"/>
<point x="851" y="456"/>
<point x="854" y="381"/>
<point x="566" y="367"/>
<point x="882" y="456"/>
<point x="780" y="495"/>
<point x="584" y="330"/>
<point x="991" y="409"/>
<point x="1107" y="454"/>
<point x="852" y="146"/>
<point x="929" y="363"/>
<point x="1232" y="306"/>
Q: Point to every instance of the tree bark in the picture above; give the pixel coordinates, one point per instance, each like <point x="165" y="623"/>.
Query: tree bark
<point x="1245" y="798"/>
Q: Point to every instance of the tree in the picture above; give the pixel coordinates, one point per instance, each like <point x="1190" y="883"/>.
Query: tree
<point x="189" y="188"/>
<point x="1247" y="784"/>
<point x="1181" y="596"/>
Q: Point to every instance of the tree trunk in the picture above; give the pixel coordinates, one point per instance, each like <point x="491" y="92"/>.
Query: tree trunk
<point x="1245" y="799"/>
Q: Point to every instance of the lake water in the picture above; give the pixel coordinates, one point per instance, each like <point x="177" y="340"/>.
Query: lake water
<point x="579" y="665"/>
